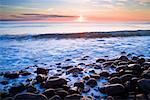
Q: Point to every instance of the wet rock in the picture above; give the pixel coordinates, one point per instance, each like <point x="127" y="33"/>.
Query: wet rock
<point x="124" y="58"/>
<point x="73" y="90"/>
<point x="73" y="97"/>
<point x="55" y="82"/>
<point x="121" y="67"/>
<point x="100" y="60"/>
<point x="67" y="67"/>
<point x="113" y="89"/>
<point x="110" y="98"/>
<point x="79" y="84"/>
<point x="4" y="94"/>
<point x="11" y="75"/>
<point x="104" y="74"/>
<point x="42" y="71"/>
<point x="40" y="78"/>
<point x="30" y="96"/>
<point x="3" y="82"/>
<point x="49" y="92"/>
<point x="56" y="97"/>
<point x="114" y="80"/>
<point x="92" y="82"/>
<point x="146" y="74"/>
<point x="31" y="89"/>
<point x="135" y="58"/>
<point x="62" y="93"/>
<point x="74" y="70"/>
<point x="96" y="76"/>
<point x="16" y="88"/>
<point x="24" y="73"/>
<point x="136" y="68"/>
<point x="126" y="77"/>
<point x="86" y="77"/>
<point x="144" y="85"/>
<point x="141" y="60"/>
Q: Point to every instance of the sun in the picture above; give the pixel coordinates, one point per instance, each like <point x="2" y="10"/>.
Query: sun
<point x="80" y="19"/>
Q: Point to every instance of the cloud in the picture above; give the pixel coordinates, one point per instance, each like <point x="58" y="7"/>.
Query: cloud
<point x="34" y="16"/>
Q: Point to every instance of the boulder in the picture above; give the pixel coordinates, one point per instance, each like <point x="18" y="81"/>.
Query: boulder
<point x="56" y="97"/>
<point x="40" y="78"/>
<point x="17" y="88"/>
<point x="114" y="80"/>
<point x="49" y="92"/>
<point x="74" y="70"/>
<point x="11" y="75"/>
<point x="96" y="76"/>
<point x="42" y="71"/>
<point x="31" y="89"/>
<point x="146" y="74"/>
<point x="144" y="85"/>
<point x="55" y="83"/>
<point x="124" y="58"/>
<point x="24" y="73"/>
<point x="30" y="96"/>
<point x="91" y="82"/>
<point x="73" y="97"/>
<point x="126" y="77"/>
<point x="62" y="93"/>
<point x="100" y="60"/>
<point x="104" y="74"/>
<point x="79" y="84"/>
<point x="113" y="89"/>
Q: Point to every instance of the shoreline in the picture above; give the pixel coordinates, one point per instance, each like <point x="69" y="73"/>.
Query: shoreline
<point x="123" y="77"/>
<point x="79" y="35"/>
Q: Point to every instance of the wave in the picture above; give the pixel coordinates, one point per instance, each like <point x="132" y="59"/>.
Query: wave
<point x="79" y="35"/>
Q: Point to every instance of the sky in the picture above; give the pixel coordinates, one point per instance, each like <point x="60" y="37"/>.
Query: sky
<point x="75" y="10"/>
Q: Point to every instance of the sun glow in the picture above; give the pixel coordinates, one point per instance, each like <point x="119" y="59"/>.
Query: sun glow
<point x="80" y="19"/>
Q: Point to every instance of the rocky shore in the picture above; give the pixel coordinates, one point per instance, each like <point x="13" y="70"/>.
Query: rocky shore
<point x="125" y="77"/>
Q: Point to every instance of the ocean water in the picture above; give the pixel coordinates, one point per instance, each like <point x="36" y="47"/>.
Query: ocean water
<point x="68" y="27"/>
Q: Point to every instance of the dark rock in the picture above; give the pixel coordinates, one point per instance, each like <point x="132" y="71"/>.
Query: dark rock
<point x="11" y="75"/>
<point x="17" y="88"/>
<point x="126" y="77"/>
<point x="56" y="97"/>
<point x="79" y="84"/>
<point x="40" y="78"/>
<point x="146" y="74"/>
<point x="104" y="74"/>
<point x="74" y="70"/>
<point x="92" y="82"/>
<point x="113" y="89"/>
<point x="24" y="73"/>
<point x="124" y="58"/>
<point x="114" y="80"/>
<point x="96" y="76"/>
<point x="55" y="82"/>
<point x="73" y="97"/>
<point x="30" y="96"/>
<point x="42" y="71"/>
<point x="135" y="58"/>
<point x="3" y="82"/>
<point x="144" y="85"/>
<point x="49" y="92"/>
<point x="141" y="60"/>
<point x="136" y="68"/>
<point x="31" y="89"/>
<point x="67" y="67"/>
<point x="73" y="90"/>
<point x="100" y="60"/>
<point x="86" y="77"/>
<point x="121" y="67"/>
<point x="8" y="98"/>
<point x="62" y="93"/>
<point x="4" y="94"/>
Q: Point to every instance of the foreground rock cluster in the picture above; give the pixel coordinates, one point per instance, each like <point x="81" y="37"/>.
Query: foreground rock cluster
<point x="129" y="80"/>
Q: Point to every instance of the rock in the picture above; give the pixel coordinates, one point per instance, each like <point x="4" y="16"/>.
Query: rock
<point x="144" y="85"/>
<point x="141" y="97"/>
<point x="49" y="92"/>
<point x="92" y="82"/>
<point x="110" y="98"/>
<point x="79" y="84"/>
<point x="146" y="74"/>
<point x="8" y="98"/>
<point x="104" y="74"/>
<point x="30" y="96"/>
<point x="67" y="67"/>
<point x="121" y="67"/>
<point x="136" y="69"/>
<point x="114" y="80"/>
<point x="62" y="93"/>
<point x="17" y="88"/>
<point x="42" y="71"/>
<point x="86" y="77"/>
<point x="56" y="97"/>
<point x="31" y="89"/>
<point x="96" y="76"/>
<point x="56" y="83"/>
<point x="74" y="70"/>
<point x="40" y="78"/>
<point x="141" y="60"/>
<point x="3" y="94"/>
<point x="73" y="97"/>
<point x="24" y="73"/>
<point x="124" y="58"/>
<point x="100" y="60"/>
<point x="113" y="89"/>
<point x="126" y="77"/>
<point x="73" y="90"/>
<point x="11" y="75"/>
<point x="3" y="82"/>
